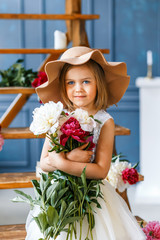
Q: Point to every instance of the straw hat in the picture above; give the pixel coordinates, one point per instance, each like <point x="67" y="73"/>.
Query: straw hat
<point x="115" y="74"/>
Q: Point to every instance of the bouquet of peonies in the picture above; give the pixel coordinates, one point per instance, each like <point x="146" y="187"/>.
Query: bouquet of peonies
<point x="66" y="131"/>
<point x="63" y="199"/>
<point x="121" y="174"/>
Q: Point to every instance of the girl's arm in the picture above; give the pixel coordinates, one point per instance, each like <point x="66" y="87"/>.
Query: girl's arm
<point x="97" y="170"/>
<point x="44" y="160"/>
<point x="76" y="155"/>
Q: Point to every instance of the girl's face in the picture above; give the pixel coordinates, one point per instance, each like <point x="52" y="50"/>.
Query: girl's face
<point x="81" y="87"/>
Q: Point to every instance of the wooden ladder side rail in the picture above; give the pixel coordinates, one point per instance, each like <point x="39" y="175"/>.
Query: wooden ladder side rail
<point x="13" y="109"/>
<point x="14" y="232"/>
<point x="26" y="16"/>
<point x="16" y="105"/>
<point x="75" y="29"/>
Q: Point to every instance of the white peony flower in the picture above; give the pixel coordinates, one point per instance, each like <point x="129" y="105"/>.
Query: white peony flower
<point x="87" y="123"/>
<point x="45" y="117"/>
<point x="115" y="174"/>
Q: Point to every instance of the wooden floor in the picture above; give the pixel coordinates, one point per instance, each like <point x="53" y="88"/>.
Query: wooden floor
<point x="12" y="232"/>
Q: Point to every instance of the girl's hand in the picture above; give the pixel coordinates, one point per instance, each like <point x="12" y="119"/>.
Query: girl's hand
<point x="79" y="154"/>
<point x="54" y="157"/>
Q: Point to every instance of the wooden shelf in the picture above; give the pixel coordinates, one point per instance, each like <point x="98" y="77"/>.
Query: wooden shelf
<point x="40" y="51"/>
<point x="16" y="180"/>
<point x="14" y="232"/>
<point x="16" y="90"/>
<point x="23" y="133"/>
<point x="49" y="16"/>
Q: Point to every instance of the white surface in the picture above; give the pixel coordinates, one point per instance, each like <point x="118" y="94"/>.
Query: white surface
<point x="148" y="191"/>
<point x="144" y="82"/>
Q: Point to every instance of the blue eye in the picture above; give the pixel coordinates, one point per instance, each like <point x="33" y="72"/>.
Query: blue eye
<point x="70" y="82"/>
<point x="86" y="81"/>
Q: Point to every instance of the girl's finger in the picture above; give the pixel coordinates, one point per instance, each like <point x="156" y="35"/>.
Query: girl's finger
<point x="83" y="146"/>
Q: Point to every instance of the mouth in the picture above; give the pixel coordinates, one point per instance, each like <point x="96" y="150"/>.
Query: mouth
<point x="79" y="96"/>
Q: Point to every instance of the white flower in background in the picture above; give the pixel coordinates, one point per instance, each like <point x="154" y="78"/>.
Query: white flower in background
<point x="45" y="117"/>
<point x="87" y="123"/>
<point x="115" y="174"/>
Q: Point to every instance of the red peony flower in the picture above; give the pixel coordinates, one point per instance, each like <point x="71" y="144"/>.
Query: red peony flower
<point x="42" y="78"/>
<point x="152" y="230"/>
<point x="130" y="175"/>
<point x="72" y="128"/>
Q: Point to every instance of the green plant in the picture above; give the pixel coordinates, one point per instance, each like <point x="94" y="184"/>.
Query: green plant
<point x="16" y="75"/>
<point x="63" y="200"/>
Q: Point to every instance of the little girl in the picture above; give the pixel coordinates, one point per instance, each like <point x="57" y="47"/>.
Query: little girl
<point x="82" y="78"/>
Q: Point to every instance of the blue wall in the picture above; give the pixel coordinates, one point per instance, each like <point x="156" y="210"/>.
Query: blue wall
<point x="128" y="28"/>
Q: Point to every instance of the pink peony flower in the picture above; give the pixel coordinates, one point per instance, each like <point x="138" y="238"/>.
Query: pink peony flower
<point x="72" y="128"/>
<point x="130" y="175"/>
<point x="92" y="145"/>
<point x="1" y="142"/>
<point x="42" y="78"/>
<point x="152" y="230"/>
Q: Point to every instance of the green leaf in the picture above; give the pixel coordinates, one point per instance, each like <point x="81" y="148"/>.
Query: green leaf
<point x="71" y="220"/>
<point x="38" y="223"/>
<point x="16" y="75"/>
<point x="83" y="177"/>
<point x="36" y="188"/>
<point x="24" y="195"/>
<point x="54" y="198"/>
<point x="24" y="198"/>
<point x="136" y="165"/>
<point x="50" y="191"/>
<point x="42" y="221"/>
<point x="62" y="209"/>
<point x="70" y="208"/>
<point x="52" y="216"/>
<point x="61" y="193"/>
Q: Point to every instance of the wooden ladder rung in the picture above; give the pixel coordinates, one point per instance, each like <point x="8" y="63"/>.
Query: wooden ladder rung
<point x="39" y="51"/>
<point x="16" y="180"/>
<point x="24" y="132"/>
<point x="18" y="133"/>
<point x="120" y="131"/>
<point x="16" y="90"/>
<point x="23" y="180"/>
<point x="12" y="232"/>
<point x="48" y="16"/>
<point x="31" y="51"/>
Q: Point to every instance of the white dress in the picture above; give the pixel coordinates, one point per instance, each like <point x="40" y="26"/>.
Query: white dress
<point x="113" y="221"/>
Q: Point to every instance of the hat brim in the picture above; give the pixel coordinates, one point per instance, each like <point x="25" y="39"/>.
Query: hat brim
<point x="115" y="75"/>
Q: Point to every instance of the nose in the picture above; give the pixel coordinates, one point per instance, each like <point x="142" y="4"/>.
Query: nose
<point x="78" y="87"/>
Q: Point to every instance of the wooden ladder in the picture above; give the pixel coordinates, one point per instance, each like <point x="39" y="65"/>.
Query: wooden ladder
<point x="76" y="33"/>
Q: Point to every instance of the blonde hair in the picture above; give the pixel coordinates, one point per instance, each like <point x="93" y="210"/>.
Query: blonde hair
<point x="101" y="99"/>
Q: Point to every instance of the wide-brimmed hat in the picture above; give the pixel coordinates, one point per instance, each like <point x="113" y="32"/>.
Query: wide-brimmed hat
<point x="115" y="74"/>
